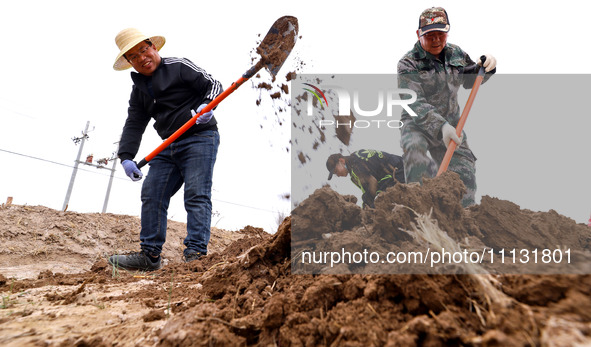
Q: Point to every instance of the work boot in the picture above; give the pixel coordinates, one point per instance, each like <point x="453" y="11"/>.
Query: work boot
<point x="135" y="261"/>
<point x="189" y="257"/>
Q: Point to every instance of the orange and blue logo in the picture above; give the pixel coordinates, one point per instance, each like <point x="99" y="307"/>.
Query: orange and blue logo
<point x="317" y="93"/>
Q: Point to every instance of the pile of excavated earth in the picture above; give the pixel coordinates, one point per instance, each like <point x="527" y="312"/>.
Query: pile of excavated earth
<point x="246" y="290"/>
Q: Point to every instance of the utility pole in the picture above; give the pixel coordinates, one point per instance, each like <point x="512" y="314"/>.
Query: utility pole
<point x="71" y="185"/>
<point x="88" y="161"/>
<point x="110" y="184"/>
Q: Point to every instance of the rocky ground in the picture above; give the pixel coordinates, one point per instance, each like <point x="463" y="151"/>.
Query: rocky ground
<point x="58" y="290"/>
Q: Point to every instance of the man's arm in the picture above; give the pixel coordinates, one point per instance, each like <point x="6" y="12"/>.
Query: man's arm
<point x="471" y="71"/>
<point x="396" y="165"/>
<point x="370" y="185"/>
<point x="134" y="128"/>
<point x="428" y="118"/>
<point x="365" y="181"/>
<point x="200" y="81"/>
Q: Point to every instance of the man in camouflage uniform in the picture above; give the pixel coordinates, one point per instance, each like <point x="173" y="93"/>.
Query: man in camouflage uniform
<point x="435" y="70"/>
<point x="372" y="171"/>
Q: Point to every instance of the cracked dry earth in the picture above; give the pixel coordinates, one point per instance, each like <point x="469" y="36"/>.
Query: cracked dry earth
<point x="58" y="290"/>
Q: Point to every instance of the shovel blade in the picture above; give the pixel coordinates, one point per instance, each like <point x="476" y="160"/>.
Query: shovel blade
<point x="278" y="43"/>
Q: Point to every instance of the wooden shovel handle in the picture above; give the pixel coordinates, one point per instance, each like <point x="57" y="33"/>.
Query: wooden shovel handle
<point x="451" y="147"/>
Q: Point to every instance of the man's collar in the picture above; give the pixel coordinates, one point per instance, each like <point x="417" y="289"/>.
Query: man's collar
<point x="421" y="53"/>
<point x="136" y="76"/>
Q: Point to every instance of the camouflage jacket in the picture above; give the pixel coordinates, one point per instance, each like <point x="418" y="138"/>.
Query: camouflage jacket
<point x="436" y="83"/>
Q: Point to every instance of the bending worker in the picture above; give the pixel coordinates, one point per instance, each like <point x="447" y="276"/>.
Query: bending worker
<point x="372" y="171"/>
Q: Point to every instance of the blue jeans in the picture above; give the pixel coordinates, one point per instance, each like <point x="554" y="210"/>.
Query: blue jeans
<point x="189" y="161"/>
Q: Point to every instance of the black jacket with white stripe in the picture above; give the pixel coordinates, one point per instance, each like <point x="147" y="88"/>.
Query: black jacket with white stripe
<point x="176" y="87"/>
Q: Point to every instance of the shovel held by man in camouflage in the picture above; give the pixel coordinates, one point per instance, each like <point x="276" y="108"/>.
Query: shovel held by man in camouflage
<point x="451" y="147"/>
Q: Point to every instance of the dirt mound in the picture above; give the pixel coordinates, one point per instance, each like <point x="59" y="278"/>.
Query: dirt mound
<point x="328" y="228"/>
<point x="247" y="294"/>
<point x="37" y="238"/>
<point x="259" y="301"/>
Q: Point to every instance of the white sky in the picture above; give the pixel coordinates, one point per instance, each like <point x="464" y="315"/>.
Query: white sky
<point x="57" y="75"/>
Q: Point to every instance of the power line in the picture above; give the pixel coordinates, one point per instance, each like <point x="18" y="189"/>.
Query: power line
<point x="56" y="163"/>
<point x="254" y="208"/>
<point x="120" y="178"/>
<point x="29" y="156"/>
<point x="16" y="112"/>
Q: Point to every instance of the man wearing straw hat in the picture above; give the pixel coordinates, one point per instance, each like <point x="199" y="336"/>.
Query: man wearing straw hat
<point x="170" y="91"/>
<point x="435" y="70"/>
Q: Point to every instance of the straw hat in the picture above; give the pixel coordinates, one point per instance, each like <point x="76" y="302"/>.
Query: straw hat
<point x="127" y="39"/>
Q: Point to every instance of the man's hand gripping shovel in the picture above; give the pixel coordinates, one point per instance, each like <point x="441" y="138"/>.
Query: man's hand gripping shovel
<point x="274" y="50"/>
<point x="451" y="147"/>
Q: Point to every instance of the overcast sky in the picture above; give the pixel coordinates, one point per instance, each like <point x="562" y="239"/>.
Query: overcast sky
<point x="57" y="75"/>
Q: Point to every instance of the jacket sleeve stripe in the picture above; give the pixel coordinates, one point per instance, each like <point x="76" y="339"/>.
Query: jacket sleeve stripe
<point x="216" y="87"/>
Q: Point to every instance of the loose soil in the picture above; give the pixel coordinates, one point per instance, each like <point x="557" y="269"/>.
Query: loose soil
<point x="58" y="290"/>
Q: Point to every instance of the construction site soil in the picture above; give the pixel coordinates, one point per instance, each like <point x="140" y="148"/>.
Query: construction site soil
<point x="58" y="290"/>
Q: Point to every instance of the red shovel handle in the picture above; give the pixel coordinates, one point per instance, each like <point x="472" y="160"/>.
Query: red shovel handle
<point x="247" y="75"/>
<point x="274" y="49"/>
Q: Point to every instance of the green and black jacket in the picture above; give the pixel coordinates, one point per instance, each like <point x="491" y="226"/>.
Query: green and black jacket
<point x="374" y="171"/>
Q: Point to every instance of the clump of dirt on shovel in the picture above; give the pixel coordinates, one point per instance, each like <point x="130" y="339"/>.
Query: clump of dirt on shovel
<point x="272" y="48"/>
<point x="271" y="52"/>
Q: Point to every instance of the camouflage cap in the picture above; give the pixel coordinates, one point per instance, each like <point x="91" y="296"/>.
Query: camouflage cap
<point x="332" y="162"/>
<point x="433" y="19"/>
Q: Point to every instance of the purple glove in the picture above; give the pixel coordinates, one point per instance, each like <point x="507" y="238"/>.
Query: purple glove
<point x="204" y="118"/>
<point x="131" y="170"/>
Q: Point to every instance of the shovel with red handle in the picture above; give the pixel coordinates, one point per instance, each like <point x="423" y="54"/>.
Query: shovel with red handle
<point x="273" y="50"/>
<point x="451" y="147"/>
